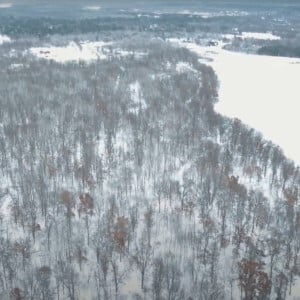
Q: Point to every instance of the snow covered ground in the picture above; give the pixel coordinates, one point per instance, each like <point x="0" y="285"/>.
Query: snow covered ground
<point x="92" y="8"/>
<point x="253" y="35"/>
<point x="262" y="91"/>
<point x="183" y="67"/>
<point x="259" y="36"/>
<point x="4" y="39"/>
<point x="86" y="51"/>
<point x="6" y="5"/>
<point x="209" y="14"/>
<point x="136" y="97"/>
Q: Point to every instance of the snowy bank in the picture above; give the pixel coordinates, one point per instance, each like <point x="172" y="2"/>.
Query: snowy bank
<point x="262" y="91"/>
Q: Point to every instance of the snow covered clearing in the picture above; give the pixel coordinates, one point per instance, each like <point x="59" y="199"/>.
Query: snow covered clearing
<point x="183" y="67"/>
<point x="264" y="36"/>
<point x="81" y="51"/>
<point x="117" y="52"/>
<point x="92" y="8"/>
<point x="259" y="36"/>
<point x="5" y="5"/>
<point x="255" y="86"/>
<point x="17" y="66"/>
<point x="4" y="39"/>
<point x="207" y="15"/>
<point x="136" y="97"/>
<point x="86" y="51"/>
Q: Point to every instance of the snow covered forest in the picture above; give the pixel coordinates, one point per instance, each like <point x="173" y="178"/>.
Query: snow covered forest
<point x="119" y="180"/>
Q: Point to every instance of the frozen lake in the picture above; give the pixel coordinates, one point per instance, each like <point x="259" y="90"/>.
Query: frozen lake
<point x="262" y="91"/>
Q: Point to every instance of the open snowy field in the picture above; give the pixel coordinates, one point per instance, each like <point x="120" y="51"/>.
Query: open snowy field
<point x="4" y="39"/>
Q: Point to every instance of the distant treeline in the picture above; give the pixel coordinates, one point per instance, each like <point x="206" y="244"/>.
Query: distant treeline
<point x="162" y="24"/>
<point x="280" y="50"/>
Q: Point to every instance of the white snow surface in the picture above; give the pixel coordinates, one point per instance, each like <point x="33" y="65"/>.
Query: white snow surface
<point x="92" y="8"/>
<point x="6" y="5"/>
<point x="87" y="51"/>
<point x="137" y="97"/>
<point x="183" y="67"/>
<point x="83" y="51"/>
<point x="262" y="91"/>
<point x="209" y="14"/>
<point x="253" y="35"/>
<point x="16" y="66"/>
<point x="259" y="36"/>
<point x="4" y="39"/>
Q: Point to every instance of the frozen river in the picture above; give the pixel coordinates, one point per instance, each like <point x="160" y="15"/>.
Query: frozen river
<point x="262" y="91"/>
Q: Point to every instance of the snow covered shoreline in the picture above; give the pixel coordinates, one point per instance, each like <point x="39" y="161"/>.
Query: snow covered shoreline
<point x="262" y="91"/>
